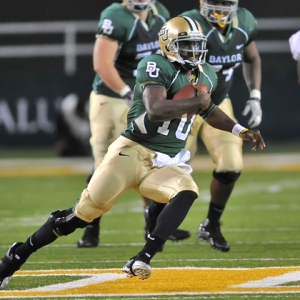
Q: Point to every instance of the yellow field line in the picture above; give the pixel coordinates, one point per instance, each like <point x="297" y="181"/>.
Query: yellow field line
<point x="164" y="282"/>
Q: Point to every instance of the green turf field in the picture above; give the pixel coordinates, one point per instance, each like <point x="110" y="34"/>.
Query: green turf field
<point x="261" y="223"/>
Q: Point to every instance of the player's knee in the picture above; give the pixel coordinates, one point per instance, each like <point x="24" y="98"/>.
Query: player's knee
<point x="188" y="195"/>
<point x="232" y="163"/>
<point x="88" y="209"/>
<point x="90" y="212"/>
<point x="186" y="183"/>
<point x="64" y="222"/>
<point x="226" y="177"/>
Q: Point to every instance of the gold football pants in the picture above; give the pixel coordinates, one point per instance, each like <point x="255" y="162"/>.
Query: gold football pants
<point x="127" y="165"/>
<point x="224" y="148"/>
<point x="108" y="118"/>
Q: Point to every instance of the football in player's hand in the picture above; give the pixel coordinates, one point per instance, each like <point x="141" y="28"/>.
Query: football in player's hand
<point x="190" y="91"/>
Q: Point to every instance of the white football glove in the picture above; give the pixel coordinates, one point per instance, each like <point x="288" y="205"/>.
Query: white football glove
<point x="127" y="95"/>
<point x="253" y="105"/>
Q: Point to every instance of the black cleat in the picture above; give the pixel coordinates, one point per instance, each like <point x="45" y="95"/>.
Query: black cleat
<point x="8" y="266"/>
<point x="179" y="235"/>
<point x="211" y="233"/>
<point x="90" y="237"/>
<point x="138" y="266"/>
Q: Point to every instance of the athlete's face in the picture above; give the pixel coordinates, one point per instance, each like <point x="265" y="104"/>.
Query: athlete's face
<point x="189" y="50"/>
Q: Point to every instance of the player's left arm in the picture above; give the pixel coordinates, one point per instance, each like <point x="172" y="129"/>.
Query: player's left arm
<point x="252" y="69"/>
<point x="252" y="76"/>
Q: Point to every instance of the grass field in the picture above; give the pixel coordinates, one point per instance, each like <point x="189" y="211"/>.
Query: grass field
<point x="261" y="223"/>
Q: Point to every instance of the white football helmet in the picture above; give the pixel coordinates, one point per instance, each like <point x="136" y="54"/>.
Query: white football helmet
<point x="182" y="40"/>
<point x="138" y="5"/>
<point x="220" y="14"/>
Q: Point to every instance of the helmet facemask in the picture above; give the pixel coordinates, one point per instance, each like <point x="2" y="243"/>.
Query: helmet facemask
<point x="182" y="40"/>
<point x="191" y="50"/>
<point x="138" y="6"/>
<point x="219" y="14"/>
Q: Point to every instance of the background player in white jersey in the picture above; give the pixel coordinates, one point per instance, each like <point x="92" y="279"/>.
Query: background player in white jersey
<point x="152" y="145"/>
<point x="126" y="33"/>
<point x="294" y="42"/>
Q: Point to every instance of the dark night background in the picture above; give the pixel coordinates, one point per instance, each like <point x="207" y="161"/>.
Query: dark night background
<point x="35" y="78"/>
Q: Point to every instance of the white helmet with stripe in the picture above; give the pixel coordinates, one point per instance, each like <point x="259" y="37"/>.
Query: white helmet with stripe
<point x="220" y="13"/>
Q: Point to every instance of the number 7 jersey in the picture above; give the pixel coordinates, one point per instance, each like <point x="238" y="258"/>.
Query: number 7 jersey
<point x="225" y="53"/>
<point x="168" y="137"/>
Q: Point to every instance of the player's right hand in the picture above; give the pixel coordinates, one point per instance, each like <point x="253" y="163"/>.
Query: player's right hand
<point x="254" y="136"/>
<point x="203" y="97"/>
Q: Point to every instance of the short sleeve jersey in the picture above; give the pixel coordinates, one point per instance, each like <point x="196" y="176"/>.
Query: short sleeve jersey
<point x="168" y="137"/>
<point x="136" y="39"/>
<point x="225" y="53"/>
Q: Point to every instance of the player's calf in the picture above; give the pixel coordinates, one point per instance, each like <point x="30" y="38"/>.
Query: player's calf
<point x="62" y="222"/>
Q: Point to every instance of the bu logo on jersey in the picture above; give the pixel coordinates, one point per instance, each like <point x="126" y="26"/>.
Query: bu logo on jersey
<point x="107" y="26"/>
<point x="152" y="69"/>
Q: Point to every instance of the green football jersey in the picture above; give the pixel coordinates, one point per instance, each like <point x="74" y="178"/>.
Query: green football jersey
<point x="225" y="53"/>
<point x="136" y="40"/>
<point x="168" y="137"/>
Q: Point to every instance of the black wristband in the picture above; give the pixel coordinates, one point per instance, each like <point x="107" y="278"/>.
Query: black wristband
<point x="204" y="114"/>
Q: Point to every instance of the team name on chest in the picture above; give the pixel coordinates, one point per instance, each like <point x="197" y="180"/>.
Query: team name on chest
<point x="147" y="46"/>
<point x="223" y="59"/>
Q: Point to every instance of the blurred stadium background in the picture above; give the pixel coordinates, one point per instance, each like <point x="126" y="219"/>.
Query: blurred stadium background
<point x="46" y="55"/>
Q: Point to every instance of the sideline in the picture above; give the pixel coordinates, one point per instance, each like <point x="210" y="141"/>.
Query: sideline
<point x="77" y="166"/>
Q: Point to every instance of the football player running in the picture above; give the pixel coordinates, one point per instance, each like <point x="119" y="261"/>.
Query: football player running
<point x="152" y="145"/>
<point x="230" y="32"/>
<point x="126" y="33"/>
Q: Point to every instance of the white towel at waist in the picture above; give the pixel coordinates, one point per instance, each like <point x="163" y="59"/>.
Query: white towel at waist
<point x="179" y="160"/>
